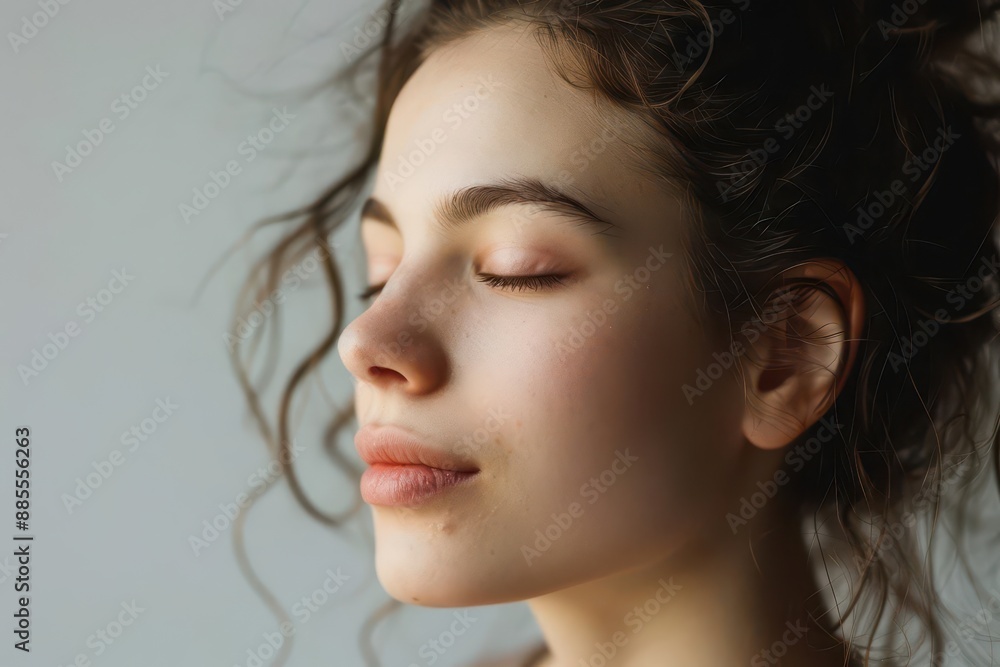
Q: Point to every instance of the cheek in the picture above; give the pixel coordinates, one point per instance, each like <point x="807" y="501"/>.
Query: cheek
<point x="605" y="424"/>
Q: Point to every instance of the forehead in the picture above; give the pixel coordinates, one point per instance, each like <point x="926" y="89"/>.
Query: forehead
<point x="489" y="107"/>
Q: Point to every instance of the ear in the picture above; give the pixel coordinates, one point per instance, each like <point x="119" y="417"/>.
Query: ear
<point x="809" y="332"/>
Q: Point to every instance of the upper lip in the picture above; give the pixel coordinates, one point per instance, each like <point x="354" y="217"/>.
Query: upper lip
<point x="394" y="445"/>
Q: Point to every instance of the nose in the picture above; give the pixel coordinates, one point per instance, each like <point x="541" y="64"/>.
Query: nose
<point x="383" y="348"/>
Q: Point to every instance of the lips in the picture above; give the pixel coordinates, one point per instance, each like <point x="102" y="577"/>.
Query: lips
<point x="393" y="445"/>
<point x="404" y="471"/>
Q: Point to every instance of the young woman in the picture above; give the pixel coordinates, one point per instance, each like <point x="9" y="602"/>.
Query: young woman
<point x="681" y="322"/>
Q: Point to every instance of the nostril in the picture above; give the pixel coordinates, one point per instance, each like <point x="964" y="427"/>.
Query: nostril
<point x="378" y="372"/>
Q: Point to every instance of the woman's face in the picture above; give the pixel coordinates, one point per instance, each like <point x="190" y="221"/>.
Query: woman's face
<point x="568" y="397"/>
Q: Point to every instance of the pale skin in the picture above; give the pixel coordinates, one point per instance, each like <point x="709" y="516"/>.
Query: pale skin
<point x="448" y="356"/>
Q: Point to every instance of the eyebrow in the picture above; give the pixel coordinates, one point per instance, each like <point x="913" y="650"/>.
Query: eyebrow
<point x="472" y="202"/>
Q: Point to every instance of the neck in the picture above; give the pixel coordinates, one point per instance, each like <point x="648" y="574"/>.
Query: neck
<point x="730" y="601"/>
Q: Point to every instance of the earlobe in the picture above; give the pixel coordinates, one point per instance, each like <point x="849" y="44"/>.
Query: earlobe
<point x="798" y="366"/>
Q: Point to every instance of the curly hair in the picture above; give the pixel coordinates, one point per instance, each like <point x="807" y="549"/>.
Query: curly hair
<point x="859" y="130"/>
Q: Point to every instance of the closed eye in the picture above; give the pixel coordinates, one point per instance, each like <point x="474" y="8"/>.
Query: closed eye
<point x="513" y="283"/>
<point x="520" y="283"/>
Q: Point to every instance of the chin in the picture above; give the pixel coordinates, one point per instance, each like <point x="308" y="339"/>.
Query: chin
<point x="417" y="565"/>
<point x="430" y="573"/>
<point x="427" y="582"/>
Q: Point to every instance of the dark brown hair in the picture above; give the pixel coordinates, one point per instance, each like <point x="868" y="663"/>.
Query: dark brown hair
<point x="863" y="131"/>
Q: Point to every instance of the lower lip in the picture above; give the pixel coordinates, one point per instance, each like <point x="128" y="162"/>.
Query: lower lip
<point x="407" y="485"/>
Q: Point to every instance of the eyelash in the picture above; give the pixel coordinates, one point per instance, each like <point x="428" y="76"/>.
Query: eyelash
<point x="518" y="283"/>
